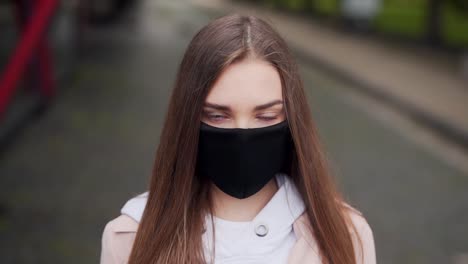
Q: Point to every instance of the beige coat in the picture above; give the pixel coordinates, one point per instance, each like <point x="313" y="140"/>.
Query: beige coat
<point x="119" y="234"/>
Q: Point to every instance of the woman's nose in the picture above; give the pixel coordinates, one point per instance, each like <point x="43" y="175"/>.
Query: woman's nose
<point x="242" y="123"/>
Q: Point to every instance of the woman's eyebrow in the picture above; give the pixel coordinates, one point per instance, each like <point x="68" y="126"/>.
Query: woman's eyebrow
<point x="218" y="107"/>
<point x="257" y="108"/>
<point x="268" y="105"/>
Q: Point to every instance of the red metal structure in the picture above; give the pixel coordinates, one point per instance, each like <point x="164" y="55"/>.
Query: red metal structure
<point x="31" y="44"/>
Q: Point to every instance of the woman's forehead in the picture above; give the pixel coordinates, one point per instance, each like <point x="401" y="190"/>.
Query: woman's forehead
<point x="247" y="82"/>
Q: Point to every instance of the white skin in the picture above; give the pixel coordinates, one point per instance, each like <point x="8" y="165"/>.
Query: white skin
<point x="231" y="103"/>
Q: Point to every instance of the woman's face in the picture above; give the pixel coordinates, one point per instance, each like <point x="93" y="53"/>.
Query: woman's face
<point x="246" y="95"/>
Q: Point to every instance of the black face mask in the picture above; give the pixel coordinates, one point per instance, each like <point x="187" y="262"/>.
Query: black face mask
<point x="241" y="161"/>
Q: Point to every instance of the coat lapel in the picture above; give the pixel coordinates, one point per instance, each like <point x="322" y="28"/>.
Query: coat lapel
<point x="305" y="249"/>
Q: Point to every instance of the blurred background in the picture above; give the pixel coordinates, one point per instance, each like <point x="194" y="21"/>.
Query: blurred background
<point x="84" y="87"/>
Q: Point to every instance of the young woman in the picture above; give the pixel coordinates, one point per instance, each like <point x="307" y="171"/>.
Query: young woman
<point x="239" y="175"/>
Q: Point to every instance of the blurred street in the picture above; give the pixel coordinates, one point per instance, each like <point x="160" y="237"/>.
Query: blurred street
<point x="69" y="172"/>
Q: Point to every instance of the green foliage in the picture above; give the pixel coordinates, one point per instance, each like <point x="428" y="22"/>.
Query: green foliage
<point x="455" y="26"/>
<point x="294" y="5"/>
<point x="406" y="18"/>
<point x="402" y="17"/>
<point x="327" y="7"/>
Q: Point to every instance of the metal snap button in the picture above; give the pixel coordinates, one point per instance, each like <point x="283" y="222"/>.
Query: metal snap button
<point x="261" y="230"/>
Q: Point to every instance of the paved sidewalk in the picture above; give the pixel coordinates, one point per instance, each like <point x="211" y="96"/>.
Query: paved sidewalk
<point x="426" y="88"/>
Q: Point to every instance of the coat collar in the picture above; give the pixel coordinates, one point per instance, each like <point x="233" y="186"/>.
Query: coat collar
<point x="300" y="225"/>
<point x="304" y="251"/>
<point x="133" y="210"/>
<point x="125" y="223"/>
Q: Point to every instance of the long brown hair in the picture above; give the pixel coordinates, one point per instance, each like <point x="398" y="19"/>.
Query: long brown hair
<point x="173" y="221"/>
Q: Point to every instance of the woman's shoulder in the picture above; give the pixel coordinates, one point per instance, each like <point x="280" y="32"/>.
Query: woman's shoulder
<point x="121" y="224"/>
<point x="119" y="233"/>
<point x="357" y="217"/>
<point x="362" y="234"/>
<point x="117" y="239"/>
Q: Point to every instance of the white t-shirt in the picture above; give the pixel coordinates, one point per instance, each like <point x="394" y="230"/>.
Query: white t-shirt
<point x="268" y="238"/>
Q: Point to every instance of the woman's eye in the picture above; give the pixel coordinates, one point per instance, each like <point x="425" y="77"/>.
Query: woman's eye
<point x="267" y="118"/>
<point x="216" y="117"/>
